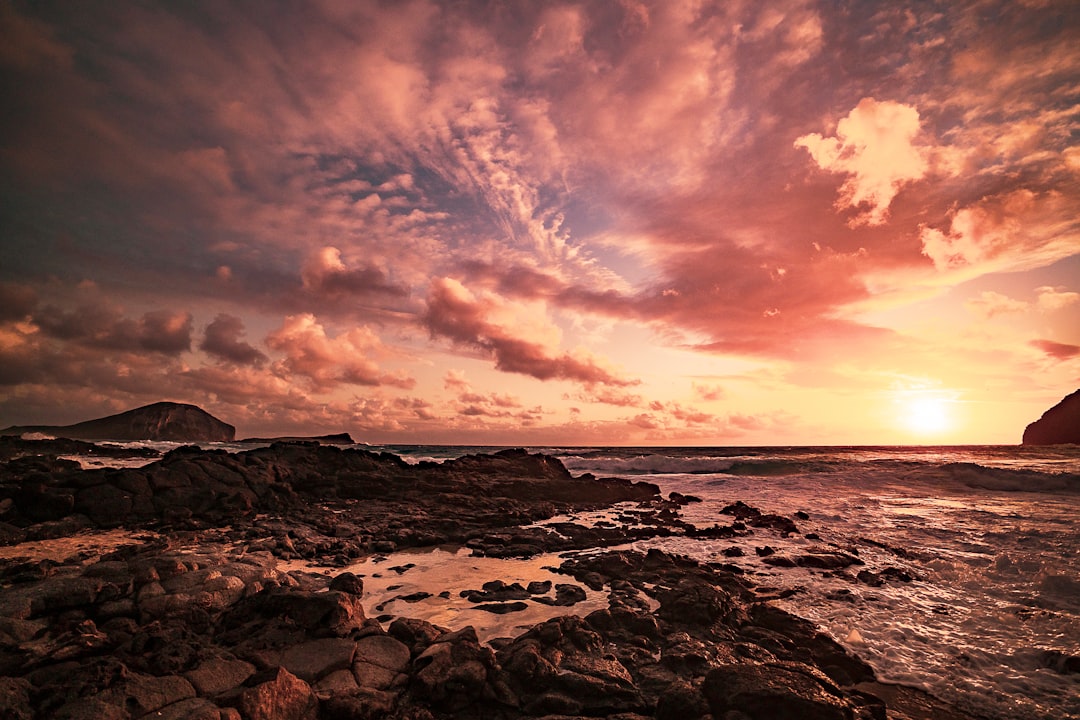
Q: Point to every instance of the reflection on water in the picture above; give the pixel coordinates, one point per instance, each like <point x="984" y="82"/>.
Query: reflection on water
<point x="443" y="574"/>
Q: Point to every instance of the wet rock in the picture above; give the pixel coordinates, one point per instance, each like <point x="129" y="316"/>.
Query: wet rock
<point x="774" y="690"/>
<point x="827" y="560"/>
<point x="539" y="587"/>
<point x="349" y="583"/>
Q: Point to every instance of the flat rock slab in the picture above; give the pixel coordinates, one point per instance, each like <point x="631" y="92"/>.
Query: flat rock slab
<point x="315" y="659"/>
<point x="219" y="675"/>
<point x="384" y="651"/>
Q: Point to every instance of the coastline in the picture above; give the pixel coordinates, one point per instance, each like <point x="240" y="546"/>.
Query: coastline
<point x="672" y="637"/>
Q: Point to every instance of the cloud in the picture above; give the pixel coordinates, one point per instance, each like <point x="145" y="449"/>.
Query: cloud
<point x="1017" y="230"/>
<point x="222" y="340"/>
<point x="16" y="301"/>
<point x="330" y="361"/>
<point x="485" y="321"/>
<point x="875" y="147"/>
<point x="1055" y="298"/>
<point x="989" y="303"/>
<point x="96" y="324"/>
<point x="709" y="393"/>
<point x="325" y="273"/>
<point x="1056" y="350"/>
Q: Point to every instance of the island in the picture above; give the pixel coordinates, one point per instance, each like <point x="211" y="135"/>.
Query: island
<point x="167" y="421"/>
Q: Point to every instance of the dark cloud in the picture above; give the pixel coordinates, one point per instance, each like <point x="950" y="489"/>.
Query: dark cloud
<point x="102" y="326"/>
<point x="222" y="340"/>
<point x="16" y="301"/>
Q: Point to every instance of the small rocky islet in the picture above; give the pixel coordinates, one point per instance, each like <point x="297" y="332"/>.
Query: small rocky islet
<point x="198" y="618"/>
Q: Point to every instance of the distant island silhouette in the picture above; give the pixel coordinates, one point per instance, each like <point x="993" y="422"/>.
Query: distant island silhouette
<point x="169" y="421"/>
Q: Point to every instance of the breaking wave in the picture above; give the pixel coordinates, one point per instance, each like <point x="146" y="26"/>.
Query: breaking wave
<point x="973" y="475"/>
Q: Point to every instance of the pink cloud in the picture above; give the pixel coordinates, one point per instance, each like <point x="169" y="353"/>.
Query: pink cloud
<point x="989" y="303"/>
<point x="1056" y="350"/>
<point x="455" y="313"/>
<point x="330" y="361"/>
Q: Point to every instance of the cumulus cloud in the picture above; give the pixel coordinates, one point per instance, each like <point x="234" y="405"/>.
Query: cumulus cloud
<point x="331" y="361"/>
<point x="222" y="340"/>
<point x="326" y="273"/>
<point x="1019" y="229"/>
<point x="989" y="303"/>
<point x="499" y="327"/>
<point x="1055" y="298"/>
<point x="875" y="147"/>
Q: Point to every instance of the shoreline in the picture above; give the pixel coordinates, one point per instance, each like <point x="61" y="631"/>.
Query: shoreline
<point x="664" y="636"/>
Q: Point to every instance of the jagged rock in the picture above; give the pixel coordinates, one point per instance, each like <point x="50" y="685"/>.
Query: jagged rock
<point x="174" y="422"/>
<point x="452" y="673"/>
<point x="277" y="695"/>
<point x="1058" y="426"/>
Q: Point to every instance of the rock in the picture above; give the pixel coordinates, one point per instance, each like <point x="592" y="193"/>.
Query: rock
<point x="143" y="694"/>
<point x="277" y="695"/>
<point x="174" y="422"/>
<point x="502" y="608"/>
<point x="90" y="709"/>
<point x="15" y="699"/>
<point x="1059" y="425"/>
<point x="218" y="675"/>
<point x="193" y="709"/>
<point x="315" y="659"/>
<point x="453" y="672"/>
<point x="349" y="583"/>
<point x="774" y="690"/>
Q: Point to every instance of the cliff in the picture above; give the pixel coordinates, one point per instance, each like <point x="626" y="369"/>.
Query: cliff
<point x="1058" y="425"/>
<point x="176" y="422"/>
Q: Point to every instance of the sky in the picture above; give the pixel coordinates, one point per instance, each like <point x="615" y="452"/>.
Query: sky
<point x="617" y="222"/>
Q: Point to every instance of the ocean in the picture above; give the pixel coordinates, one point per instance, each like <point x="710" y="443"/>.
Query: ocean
<point x="971" y="574"/>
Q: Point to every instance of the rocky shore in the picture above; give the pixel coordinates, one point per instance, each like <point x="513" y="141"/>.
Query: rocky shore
<point x="194" y="615"/>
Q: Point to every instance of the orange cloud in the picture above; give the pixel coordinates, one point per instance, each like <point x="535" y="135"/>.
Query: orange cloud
<point x="875" y="147"/>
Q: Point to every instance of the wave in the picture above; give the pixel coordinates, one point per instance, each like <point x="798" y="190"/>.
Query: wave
<point x="652" y="464"/>
<point x="973" y="475"/>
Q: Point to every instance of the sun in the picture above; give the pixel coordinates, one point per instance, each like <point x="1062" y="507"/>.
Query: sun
<point x="927" y="415"/>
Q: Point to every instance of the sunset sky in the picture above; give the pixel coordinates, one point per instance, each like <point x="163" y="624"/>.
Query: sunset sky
<point x="544" y="223"/>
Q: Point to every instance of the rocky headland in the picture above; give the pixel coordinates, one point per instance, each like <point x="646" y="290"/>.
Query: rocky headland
<point x="169" y="421"/>
<point x="194" y="614"/>
<point x="1060" y="425"/>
